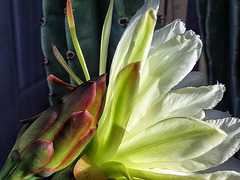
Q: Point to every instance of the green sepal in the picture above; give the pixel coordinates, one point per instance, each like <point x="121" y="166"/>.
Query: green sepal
<point x="11" y="163"/>
<point x="39" y="127"/>
<point x="35" y="157"/>
<point x="78" y="148"/>
<point x="77" y="100"/>
<point x="123" y="100"/>
<point x="73" y="129"/>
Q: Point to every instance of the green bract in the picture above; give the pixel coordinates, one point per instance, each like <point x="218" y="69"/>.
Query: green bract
<point x="52" y="140"/>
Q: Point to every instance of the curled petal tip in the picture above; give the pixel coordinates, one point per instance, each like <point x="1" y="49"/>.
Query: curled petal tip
<point x="53" y="79"/>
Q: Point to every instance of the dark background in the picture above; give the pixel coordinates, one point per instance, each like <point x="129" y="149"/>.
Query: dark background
<point x="23" y="87"/>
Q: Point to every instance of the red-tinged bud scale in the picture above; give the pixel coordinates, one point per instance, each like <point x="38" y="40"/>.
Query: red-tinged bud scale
<point x="53" y="139"/>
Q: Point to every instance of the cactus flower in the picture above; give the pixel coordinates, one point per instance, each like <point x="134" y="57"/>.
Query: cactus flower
<point x="52" y="140"/>
<point x="154" y="124"/>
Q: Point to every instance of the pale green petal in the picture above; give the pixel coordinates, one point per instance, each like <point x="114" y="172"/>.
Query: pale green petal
<point x="134" y="42"/>
<point x="110" y="134"/>
<point x="186" y="102"/>
<point x="216" y="155"/>
<point x="141" y="38"/>
<point x="166" y="33"/>
<point x="227" y="148"/>
<point x="126" y="39"/>
<point x="168" y="142"/>
<point x="193" y="79"/>
<point x="163" y="70"/>
<point x="105" y="39"/>
<point x="221" y="175"/>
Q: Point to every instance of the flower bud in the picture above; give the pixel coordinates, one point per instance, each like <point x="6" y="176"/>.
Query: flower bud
<point x="52" y="140"/>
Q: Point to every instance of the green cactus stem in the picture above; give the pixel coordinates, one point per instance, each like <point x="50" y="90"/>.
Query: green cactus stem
<point x="53" y="31"/>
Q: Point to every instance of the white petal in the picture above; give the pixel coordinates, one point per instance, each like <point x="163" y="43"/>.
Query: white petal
<point x="125" y="40"/>
<point x="169" y="142"/>
<point x="186" y="102"/>
<point x="228" y="147"/>
<point x="166" y="33"/>
<point x="163" y="70"/>
<point x="220" y="153"/>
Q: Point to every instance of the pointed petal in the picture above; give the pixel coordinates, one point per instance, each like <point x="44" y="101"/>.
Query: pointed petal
<point x="79" y="99"/>
<point x="70" y="14"/>
<point x="106" y="31"/>
<point x="53" y="79"/>
<point x="74" y="128"/>
<point x="122" y="102"/>
<point x="169" y="142"/>
<point x="227" y="148"/>
<point x="166" y="33"/>
<point x="133" y="35"/>
<point x="39" y="127"/>
<point x="186" y="102"/>
<point x="141" y="39"/>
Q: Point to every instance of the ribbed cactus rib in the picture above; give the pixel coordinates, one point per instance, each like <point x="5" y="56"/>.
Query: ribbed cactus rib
<point x="53" y="31"/>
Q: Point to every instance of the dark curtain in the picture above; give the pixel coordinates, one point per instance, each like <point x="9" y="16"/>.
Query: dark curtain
<point x="23" y="91"/>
